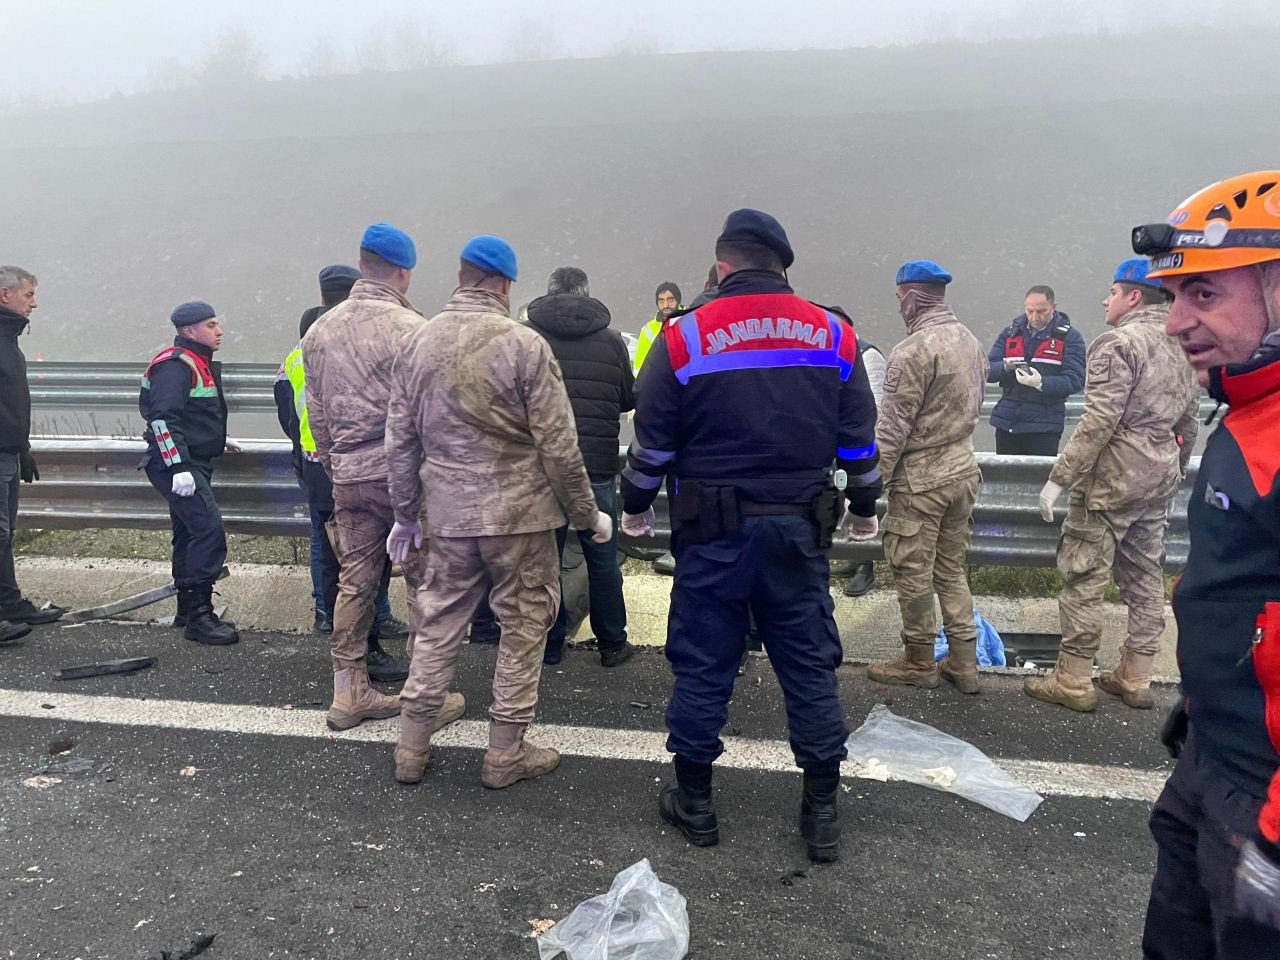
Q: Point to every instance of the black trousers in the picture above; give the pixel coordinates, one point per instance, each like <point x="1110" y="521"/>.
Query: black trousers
<point x="199" y="541"/>
<point x="1027" y="444"/>
<point x="1198" y="823"/>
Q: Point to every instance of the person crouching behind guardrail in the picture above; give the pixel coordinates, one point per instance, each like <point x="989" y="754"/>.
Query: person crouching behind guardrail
<point x="1120" y="470"/>
<point x="185" y="414"/>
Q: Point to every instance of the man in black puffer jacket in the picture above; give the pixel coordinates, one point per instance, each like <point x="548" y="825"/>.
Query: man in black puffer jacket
<point x="598" y="377"/>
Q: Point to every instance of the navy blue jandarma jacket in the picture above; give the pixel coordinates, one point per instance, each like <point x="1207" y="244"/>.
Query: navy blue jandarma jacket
<point x="1058" y="352"/>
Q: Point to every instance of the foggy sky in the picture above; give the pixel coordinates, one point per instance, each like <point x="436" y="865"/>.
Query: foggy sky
<point x="73" y="50"/>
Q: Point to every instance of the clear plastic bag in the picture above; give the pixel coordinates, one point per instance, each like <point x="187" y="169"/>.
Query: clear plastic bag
<point x="640" y="918"/>
<point x="921" y="754"/>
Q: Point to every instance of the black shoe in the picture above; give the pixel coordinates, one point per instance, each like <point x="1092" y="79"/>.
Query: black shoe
<point x="665" y="565"/>
<point x="24" y="611"/>
<point x="393" y="627"/>
<point x="550" y="657"/>
<point x="383" y="667"/>
<point x="13" y="631"/>
<point x="863" y="579"/>
<point x="203" y="625"/>
<point x="820" y="814"/>
<point x="842" y="568"/>
<point x="184" y="608"/>
<point x="689" y="806"/>
<point x="487" y="636"/>
<point x="323" y="624"/>
<point x="618" y="655"/>
<point x="742" y="664"/>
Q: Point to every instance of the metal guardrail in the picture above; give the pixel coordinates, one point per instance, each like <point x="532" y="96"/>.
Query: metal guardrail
<point x="95" y="482"/>
<point x="248" y="387"/>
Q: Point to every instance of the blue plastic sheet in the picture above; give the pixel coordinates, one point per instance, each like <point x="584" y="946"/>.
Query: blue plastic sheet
<point x="990" y="646"/>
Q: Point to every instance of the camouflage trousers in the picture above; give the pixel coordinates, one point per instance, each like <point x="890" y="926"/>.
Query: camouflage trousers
<point x="362" y="520"/>
<point x="1096" y="544"/>
<point x="926" y="540"/>
<point x="521" y="575"/>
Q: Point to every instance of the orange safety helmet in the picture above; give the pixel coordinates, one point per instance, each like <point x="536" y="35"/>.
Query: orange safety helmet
<point x="1231" y="223"/>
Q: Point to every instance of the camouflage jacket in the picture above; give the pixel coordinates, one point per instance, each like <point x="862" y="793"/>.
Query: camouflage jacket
<point x="480" y="427"/>
<point x="933" y="386"/>
<point x="347" y="356"/>
<point x="1139" y="425"/>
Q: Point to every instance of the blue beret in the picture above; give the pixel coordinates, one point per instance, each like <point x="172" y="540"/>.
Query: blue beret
<point x="338" y="278"/>
<point x="191" y="312"/>
<point x="492" y="254"/>
<point x="391" y="244"/>
<point x="922" y="271"/>
<point x="1134" y="270"/>
<point x="752" y="226"/>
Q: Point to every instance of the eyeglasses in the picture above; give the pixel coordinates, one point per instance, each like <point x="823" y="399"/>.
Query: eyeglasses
<point x="1153" y="238"/>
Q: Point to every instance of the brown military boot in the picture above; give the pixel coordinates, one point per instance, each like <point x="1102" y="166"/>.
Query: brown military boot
<point x="354" y="701"/>
<point x="1131" y="680"/>
<point x="414" y="746"/>
<point x="509" y="758"/>
<point x="915" y="668"/>
<point x="1069" y="684"/>
<point x="960" y="666"/>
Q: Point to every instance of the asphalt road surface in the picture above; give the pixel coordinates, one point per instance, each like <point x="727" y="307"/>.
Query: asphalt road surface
<point x="205" y="797"/>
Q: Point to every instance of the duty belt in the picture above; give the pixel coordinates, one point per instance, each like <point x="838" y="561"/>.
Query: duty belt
<point x="748" y="509"/>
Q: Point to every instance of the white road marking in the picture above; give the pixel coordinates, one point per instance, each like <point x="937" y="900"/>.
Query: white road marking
<point x="1045" y="777"/>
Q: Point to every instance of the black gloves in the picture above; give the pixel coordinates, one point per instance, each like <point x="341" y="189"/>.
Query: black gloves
<point x="27" y="468"/>
<point x="1174" y="732"/>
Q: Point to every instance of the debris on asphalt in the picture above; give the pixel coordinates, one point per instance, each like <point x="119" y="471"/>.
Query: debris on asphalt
<point x="871" y="769"/>
<point x="61" y="745"/>
<point x="789" y="878"/>
<point x="640" y="918"/>
<point x="538" y="928"/>
<point x="197" y="946"/>
<point x="40" y="782"/>
<point x="47" y="706"/>
<point x="641" y="705"/>
<point x="187" y="772"/>
<point x="942" y="776"/>
<point x="71" y="767"/>
<point x="914" y="751"/>
<point x="128" y="665"/>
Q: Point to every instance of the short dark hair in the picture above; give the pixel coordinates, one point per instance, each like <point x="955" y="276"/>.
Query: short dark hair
<point x="1150" y="295"/>
<point x="744" y="255"/>
<point x="1043" y="289"/>
<point x="570" y="280"/>
<point x="375" y="265"/>
<point x="473" y="276"/>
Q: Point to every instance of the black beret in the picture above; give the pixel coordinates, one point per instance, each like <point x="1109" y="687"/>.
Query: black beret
<point x="191" y="312"/>
<point x="338" y="278"/>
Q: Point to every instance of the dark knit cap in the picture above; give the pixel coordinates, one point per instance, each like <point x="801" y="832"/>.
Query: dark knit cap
<point x="338" y="278"/>
<point x="667" y="286"/>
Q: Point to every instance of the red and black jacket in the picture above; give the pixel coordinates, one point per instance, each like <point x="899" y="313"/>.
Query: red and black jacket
<point x="759" y="390"/>
<point x="1227" y="602"/>
<point x="183" y="407"/>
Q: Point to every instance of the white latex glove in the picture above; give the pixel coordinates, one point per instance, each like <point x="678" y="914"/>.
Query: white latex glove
<point x="184" y="484"/>
<point x="603" y="528"/>
<point x="233" y="447"/>
<point x="638" y="524"/>
<point x="1049" y="495"/>
<point x="854" y="527"/>
<point x="1029" y="377"/>
<point x="403" y="537"/>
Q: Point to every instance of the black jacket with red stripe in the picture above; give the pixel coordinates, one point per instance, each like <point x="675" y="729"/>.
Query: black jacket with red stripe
<point x="182" y="405"/>
<point x="1227" y="601"/>
<point x="759" y="390"/>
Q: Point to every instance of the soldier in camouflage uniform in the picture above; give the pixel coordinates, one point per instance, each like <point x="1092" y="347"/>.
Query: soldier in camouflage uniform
<point x="933" y="388"/>
<point x="1121" y="469"/>
<point x="481" y="430"/>
<point x="347" y="360"/>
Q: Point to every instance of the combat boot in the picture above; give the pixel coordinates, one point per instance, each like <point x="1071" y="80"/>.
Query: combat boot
<point x="1069" y="684"/>
<point x="383" y="667"/>
<point x="510" y="757"/>
<point x="184" y="608"/>
<point x="820" y="813"/>
<point x="915" y="668"/>
<point x="688" y="804"/>
<point x="1131" y="680"/>
<point x="414" y="745"/>
<point x="354" y="701"/>
<point x="960" y="666"/>
<point x="202" y="624"/>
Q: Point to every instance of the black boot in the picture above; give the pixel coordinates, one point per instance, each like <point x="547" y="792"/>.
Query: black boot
<point x="382" y="666"/>
<point x="202" y="625"/>
<point x="820" y="813"/>
<point x="688" y="805"/>
<point x="184" y="608"/>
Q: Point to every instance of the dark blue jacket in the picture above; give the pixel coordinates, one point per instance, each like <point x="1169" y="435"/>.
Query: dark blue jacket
<point x="182" y="404"/>
<point x="1058" y="352"/>
<point x="759" y="390"/>
<point x="15" y="395"/>
<point x="1227" y="601"/>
